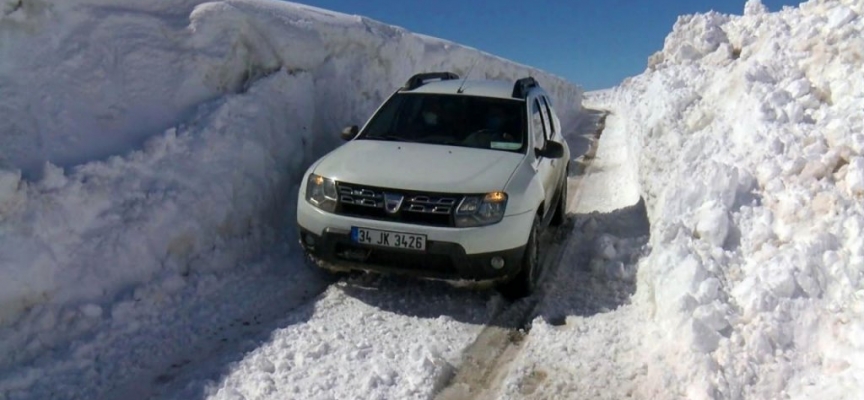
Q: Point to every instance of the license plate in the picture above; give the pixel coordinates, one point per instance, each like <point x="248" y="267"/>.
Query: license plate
<point x="399" y="240"/>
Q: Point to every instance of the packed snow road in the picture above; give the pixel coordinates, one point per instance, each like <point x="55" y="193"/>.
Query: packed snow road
<point x="589" y="286"/>
<point x="389" y="337"/>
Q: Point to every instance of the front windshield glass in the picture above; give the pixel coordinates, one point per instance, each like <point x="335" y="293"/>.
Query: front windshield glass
<point x="469" y="121"/>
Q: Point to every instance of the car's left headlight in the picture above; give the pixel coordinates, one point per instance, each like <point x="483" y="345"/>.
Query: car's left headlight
<point x="321" y="192"/>
<point x="481" y="210"/>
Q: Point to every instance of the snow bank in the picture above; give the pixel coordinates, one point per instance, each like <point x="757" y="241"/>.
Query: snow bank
<point x="148" y="144"/>
<point x="748" y="131"/>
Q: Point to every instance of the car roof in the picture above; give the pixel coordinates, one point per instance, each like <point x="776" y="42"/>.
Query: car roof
<point x="483" y="88"/>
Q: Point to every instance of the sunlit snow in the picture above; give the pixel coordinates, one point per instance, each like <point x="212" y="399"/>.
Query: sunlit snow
<point x="149" y="157"/>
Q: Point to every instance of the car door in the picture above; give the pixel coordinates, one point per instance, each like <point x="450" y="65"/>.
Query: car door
<point x="545" y="167"/>
<point x="560" y="166"/>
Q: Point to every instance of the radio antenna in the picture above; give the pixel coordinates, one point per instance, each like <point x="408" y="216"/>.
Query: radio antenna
<point x="460" y="90"/>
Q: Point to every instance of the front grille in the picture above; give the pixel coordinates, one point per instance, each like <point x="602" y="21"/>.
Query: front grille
<point x="416" y="207"/>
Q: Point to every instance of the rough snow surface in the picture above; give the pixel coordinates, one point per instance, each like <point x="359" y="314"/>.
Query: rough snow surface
<point x="746" y="133"/>
<point x="744" y="137"/>
<point x="717" y="249"/>
<point x="381" y="339"/>
<point x="149" y="150"/>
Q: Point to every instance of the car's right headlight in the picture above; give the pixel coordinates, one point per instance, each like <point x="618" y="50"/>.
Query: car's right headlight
<point x="321" y="192"/>
<point x="481" y="210"/>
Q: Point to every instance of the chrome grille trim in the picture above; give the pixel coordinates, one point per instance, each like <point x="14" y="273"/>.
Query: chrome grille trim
<point x="362" y="197"/>
<point x="415" y="203"/>
<point x="433" y="204"/>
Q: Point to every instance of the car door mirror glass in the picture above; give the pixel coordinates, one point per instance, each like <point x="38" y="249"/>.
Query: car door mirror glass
<point x="552" y="149"/>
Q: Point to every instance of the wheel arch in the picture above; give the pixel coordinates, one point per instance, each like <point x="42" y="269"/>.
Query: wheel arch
<point x="525" y="190"/>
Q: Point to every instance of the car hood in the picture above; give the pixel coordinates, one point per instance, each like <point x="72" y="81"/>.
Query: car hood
<point x="418" y="166"/>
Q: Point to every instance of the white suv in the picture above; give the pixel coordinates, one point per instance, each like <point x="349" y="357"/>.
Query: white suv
<point x="449" y="179"/>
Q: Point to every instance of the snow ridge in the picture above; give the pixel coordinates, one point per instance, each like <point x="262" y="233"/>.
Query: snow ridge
<point x="748" y="131"/>
<point x="148" y="146"/>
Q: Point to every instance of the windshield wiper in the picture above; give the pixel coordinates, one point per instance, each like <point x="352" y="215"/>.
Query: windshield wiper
<point x="391" y="138"/>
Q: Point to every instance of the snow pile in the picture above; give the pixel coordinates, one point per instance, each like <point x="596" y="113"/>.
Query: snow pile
<point x="146" y="144"/>
<point x="748" y="133"/>
<point x="398" y="341"/>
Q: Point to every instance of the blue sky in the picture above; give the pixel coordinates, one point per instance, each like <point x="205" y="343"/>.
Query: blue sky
<point x="593" y="43"/>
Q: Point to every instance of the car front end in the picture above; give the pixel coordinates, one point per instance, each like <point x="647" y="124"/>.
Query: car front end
<point x="437" y="184"/>
<point x="430" y="234"/>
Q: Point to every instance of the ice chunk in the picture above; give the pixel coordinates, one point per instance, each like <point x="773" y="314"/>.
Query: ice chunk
<point x="9" y="181"/>
<point x="713" y="225"/>
<point x="754" y="7"/>
<point x="702" y="338"/>
<point x="856" y="143"/>
<point x="799" y="88"/>
<point x="606" y="247"/>
<point x="855" y="177"/>
<point x="91" y="310"/>
<point x="712" y="316"/>
<point x="839" y="17"/>
<point x="708" y="290"/>
<point x="53" y="177"/>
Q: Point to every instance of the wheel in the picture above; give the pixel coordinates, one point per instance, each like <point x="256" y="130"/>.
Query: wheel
<point x="524" y="283"/>
<point x="561" y="207"/>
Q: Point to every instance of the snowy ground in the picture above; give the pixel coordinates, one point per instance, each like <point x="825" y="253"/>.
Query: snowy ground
<point x="585" y="339"/>
<point x="362" y="338"/>
<point x="716" y="249"/>
<point x="149" y="157"/>
<point x="744" y="140"/>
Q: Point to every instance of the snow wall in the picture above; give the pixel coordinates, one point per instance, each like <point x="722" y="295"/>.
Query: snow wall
<point x="151" y="143"/>
<point x="748" y="135"/>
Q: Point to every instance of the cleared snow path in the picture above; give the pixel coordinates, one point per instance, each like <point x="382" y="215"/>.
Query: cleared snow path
<point x="583" y="342"/>
<point x="589" y="269"/>
<point x="365" y="337"/>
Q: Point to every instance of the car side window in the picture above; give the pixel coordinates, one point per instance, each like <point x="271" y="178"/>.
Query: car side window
<point x="551" y="115"/>
<point x="547" y="123"/>
<point x="538" y="121"/>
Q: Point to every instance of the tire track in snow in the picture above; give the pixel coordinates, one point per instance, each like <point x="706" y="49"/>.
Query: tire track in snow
<point x="485" y="363"/>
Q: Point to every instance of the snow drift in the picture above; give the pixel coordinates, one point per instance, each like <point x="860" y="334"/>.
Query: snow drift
<point x="748" y="135"/>
<point x="150" y="143"/>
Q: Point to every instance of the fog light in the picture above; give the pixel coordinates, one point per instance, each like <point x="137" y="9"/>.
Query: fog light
<point x="310" y="240"/>
<point x="497" y="262"/>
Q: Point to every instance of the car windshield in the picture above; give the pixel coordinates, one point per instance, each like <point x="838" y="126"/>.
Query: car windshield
<point x="456" y="120"/>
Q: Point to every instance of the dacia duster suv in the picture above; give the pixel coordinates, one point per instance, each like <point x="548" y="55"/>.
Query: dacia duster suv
<point x="449" y="179"/>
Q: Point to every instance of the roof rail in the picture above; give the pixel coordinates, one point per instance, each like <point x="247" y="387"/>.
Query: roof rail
<point x="420" y="79"/>
<point x="522" y="86"/>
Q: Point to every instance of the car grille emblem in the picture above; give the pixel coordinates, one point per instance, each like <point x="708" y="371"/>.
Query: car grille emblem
<point x="392" y="202"/>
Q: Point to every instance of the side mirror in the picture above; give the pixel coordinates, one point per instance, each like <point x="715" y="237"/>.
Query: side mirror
<point x="551" y="150"/>
<point x="349" y="132"/>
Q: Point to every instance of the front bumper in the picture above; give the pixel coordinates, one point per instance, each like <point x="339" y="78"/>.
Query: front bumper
<point x="451" y="253"/>
<point x="334" y="250"/>
<point x="510" y="233"/>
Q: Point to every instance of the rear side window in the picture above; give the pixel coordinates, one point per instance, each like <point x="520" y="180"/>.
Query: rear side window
<point x="538" y="122"/>
<point x="552" y="119"/>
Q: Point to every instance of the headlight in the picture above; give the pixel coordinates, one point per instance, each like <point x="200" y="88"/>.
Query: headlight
<point x="321" y="192"/>
<point x="481" y="210"/>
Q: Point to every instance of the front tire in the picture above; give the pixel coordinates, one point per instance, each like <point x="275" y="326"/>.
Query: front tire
<point x="524" y="283"/>
<point x="561" y="206"/>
